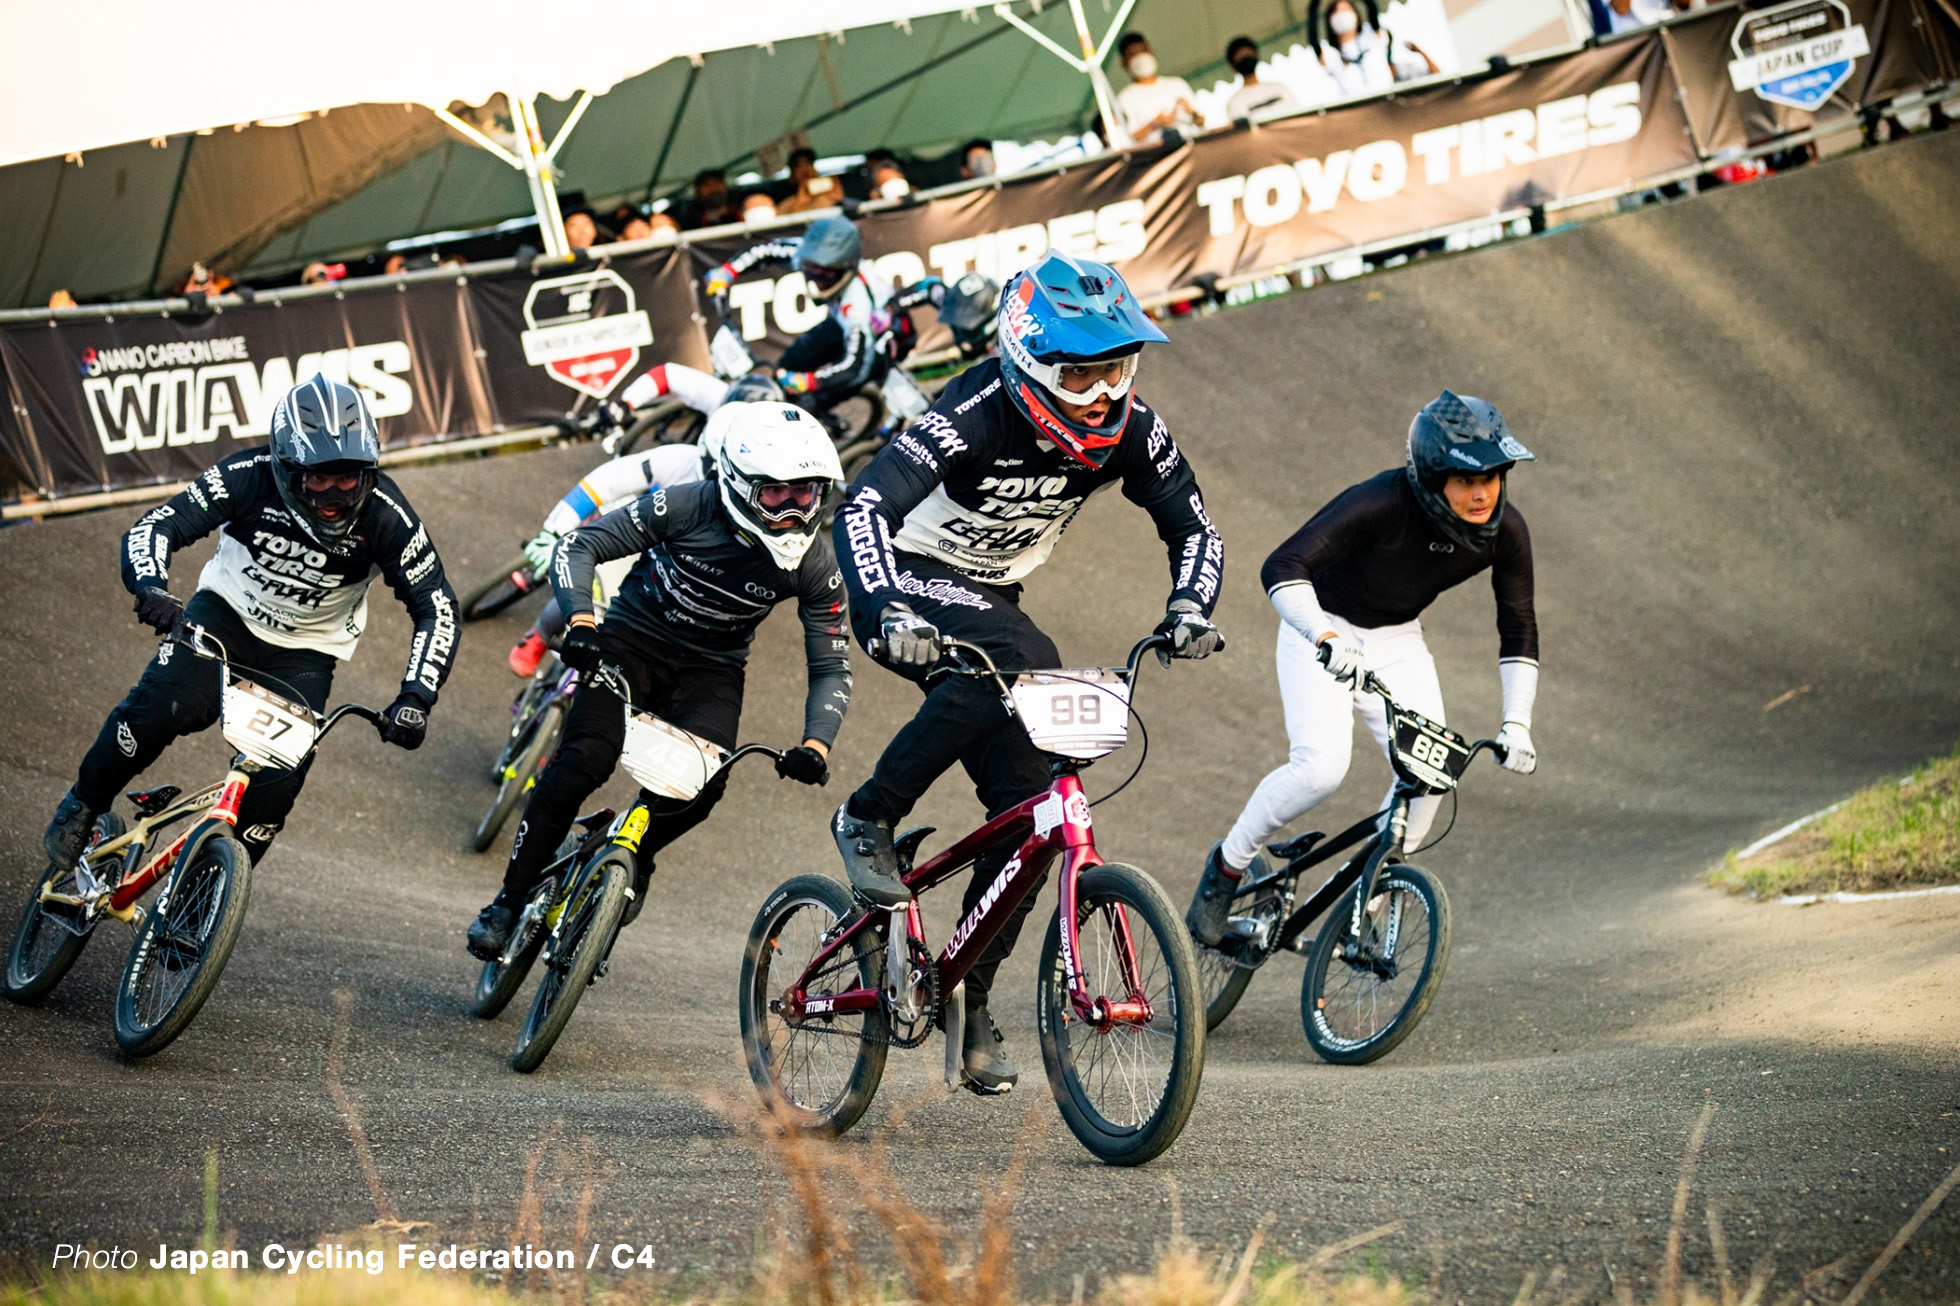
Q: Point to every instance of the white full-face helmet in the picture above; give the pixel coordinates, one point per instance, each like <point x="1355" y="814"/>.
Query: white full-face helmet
<point x="776" y="466"/>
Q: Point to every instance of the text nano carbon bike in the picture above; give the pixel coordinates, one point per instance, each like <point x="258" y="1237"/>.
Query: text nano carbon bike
<point x="829" y="984"/>
<point x="572" y="917"/>
<point x="1379" y="960"/>
<point x="185" y="938"/>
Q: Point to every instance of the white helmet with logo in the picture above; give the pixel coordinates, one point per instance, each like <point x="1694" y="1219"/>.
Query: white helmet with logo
<point x="776" y="466"/>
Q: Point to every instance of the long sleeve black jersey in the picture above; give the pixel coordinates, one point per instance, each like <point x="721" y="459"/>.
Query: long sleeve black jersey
<point x="1373" y="557"/>
<point x="862" y="310"/>
<point x="294" y="591"/>
<point x="699" y="589"/>
<point x="974" y="485"/>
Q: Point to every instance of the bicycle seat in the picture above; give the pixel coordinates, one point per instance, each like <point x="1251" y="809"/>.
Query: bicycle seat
<point x="1298" y="846"/>
<point x="593" y="821"/>
<point x="151" y="801"/>
<point x="907" y="844"/>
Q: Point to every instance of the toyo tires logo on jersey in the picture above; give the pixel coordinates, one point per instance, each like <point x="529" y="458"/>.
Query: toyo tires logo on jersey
<point x="1796" y="53"/>
<point x="585" y="330"/>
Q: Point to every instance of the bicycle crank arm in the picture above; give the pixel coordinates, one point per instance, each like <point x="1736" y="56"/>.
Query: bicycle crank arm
<point x="952" y="1019"/>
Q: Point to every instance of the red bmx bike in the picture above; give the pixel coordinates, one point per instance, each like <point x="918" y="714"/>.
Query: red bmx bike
<point x="831" y="983"/>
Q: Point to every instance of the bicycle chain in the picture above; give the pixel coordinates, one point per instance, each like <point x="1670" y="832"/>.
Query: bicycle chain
<point x="929" y="1019"/>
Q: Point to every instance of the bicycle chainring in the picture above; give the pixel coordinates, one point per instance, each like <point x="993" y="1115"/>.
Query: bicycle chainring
<point x="911" y="1034"/>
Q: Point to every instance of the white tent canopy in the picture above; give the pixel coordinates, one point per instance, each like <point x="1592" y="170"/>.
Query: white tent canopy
<point x="152" y="70"/>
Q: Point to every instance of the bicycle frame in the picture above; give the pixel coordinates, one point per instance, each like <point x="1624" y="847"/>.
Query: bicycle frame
<point x="1054" y="823"/>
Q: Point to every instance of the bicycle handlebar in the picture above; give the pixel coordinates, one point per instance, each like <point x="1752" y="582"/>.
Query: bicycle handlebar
<point x="201" y="642"/>
<point x="613" y="678"/>
<point x="1372" y="684"/>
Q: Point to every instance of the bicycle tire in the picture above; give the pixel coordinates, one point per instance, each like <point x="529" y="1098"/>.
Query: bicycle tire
<point x="521" y="774"/>
<point x="207" y="890"/>
<point x="1223" y="980"/>
<point x="681" y="425"/>
<point x="497" y="983"/>
<point x="492" y="597"/>
<point x="593" y="906"/>
<point x="766" y="963"/>
<point x="43" y="949"/>
<point x="1174" y="1032"/>
<point x="1339" y="1045"/>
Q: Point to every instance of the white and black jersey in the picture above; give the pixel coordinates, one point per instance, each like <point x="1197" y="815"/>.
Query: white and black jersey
<point x="292" y="590"/>
<point x="975" y="486"/>
<point x="1374" y="558"/>
<point x="700" y="590"/>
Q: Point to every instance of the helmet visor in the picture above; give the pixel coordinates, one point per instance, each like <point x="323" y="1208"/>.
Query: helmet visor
<point x="787" y="502"/>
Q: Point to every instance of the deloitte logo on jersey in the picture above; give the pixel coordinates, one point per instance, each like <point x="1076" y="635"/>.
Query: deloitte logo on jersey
<point x="1796" y="53"/>
<point x="585" y="330"/>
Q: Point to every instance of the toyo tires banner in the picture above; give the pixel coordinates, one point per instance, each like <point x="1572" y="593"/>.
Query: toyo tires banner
<point x="96" y="403"/>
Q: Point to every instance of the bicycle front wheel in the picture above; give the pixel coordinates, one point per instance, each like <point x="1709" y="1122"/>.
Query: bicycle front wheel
<point x="574" y="951"/>
<point x="820" y="1073"/>
<point x="183" y="944"/>
<point x="500" y="592"/>
<point x="51" y="935"/>
<point x="521" y="774"/>
<point x="1362" y="996"/>
<point x="1125" y="1088"/>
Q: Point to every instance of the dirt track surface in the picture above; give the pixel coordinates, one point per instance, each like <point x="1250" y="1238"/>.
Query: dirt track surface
<point x="1743" y="409"/>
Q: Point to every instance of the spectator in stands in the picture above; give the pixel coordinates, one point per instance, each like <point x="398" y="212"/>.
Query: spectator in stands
<point x="888" y="179"/>
<point x="712" y="204"/>
<point x="1150" y="104"/>
<point x="1361" y="57"/>
<point x="977" y="159"/>
<point x="204" y="281"/>
<point x="395" y="266"/>
<point x="663" y="222"/>
<point x="758" y="206"/>
<point x="1255" y="99"/>
<point x="636" y="228"/>
<point x="581" y="229"/>
<point x="1630" y="15"/>
<point x="813" y="191"/>
<point x="62" y="299"/>
<point x="315" y="274"/>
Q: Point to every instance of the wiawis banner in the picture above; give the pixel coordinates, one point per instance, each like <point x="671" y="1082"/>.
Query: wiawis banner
<point x="97" y="405"/>
<point x="1752" y="73"/>
<point x="1281" y="191"/>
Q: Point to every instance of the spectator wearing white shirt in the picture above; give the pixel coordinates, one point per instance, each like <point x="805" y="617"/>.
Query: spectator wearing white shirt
<point x="1361" y="58"/>
<point x="1150" y="103"/>
<point x="1255" y="99"/>
<point x="1629" y="15"/>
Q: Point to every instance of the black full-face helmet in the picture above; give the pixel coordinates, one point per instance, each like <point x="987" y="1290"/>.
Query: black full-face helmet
<point x="971" y="311"/>
<point x="828" y="254"/>
<point x="1460" y="435"/>
<point x="325" y="455"/>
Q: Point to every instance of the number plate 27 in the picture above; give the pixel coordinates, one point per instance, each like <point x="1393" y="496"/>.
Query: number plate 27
<point x="270" y="730"/>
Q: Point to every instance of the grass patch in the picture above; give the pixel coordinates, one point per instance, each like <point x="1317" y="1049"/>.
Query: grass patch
<point x="1889" y="836"/>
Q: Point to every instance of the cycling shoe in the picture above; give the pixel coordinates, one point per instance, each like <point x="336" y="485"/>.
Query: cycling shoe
<point x="1211" y="905"/>
<point x="69" y="832"/>
<point x="491" y="929"/>
<point x="985" y="1067"/>
<point x="869" y="859"/>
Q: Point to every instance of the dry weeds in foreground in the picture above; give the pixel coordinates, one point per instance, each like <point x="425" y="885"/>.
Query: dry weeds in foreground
<point x="841" y="1196"/>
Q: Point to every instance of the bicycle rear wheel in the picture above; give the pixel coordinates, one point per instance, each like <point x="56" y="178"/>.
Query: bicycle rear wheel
<point x="501" y="591"/>
<point x="521" y="774"/>
<point x="1361" y="998"/>
<point x="1223" y="980"/>
<point x="573" y="952"/>
<point x="820" y="1074"/>
<point x="1125" y="1089"/>
<point x="183" y="944"/>
<point x="51" y="935"/>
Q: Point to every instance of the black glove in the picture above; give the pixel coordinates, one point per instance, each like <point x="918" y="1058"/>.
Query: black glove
<point x="1191" y="633"/>
<point x="909" y="639"/>
<point x="406" y="722"/>
<point x="611" y="415"/>
<point x="158" y="609"/>
<point x="580" y="647"/>
<point x="805" y="765"/>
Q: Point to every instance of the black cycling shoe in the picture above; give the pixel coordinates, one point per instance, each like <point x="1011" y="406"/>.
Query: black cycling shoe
<point x="1211" y="905"/>
<point x="491" y="929"/>
<point x="869" y="860"/>
<point x="69" y="832"/>
<point x="641" y="879"/>
<point x="985" y="1067"/>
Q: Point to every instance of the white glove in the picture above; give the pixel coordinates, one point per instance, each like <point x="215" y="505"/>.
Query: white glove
<point x="537" y="551"/>
<point x="1343" y="659"/>
<point x="1518" y="754"/>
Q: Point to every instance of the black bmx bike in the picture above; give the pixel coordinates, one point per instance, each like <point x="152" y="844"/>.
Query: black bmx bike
<point x="1378" y="961"/>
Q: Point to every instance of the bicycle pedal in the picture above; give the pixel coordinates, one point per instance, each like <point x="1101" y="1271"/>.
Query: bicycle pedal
<point x="599" y="971"/>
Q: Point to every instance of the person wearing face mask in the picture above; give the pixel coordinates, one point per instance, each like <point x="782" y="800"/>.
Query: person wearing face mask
<point x="977" y="159"/>
<point x="1255" y="99"/>
<point x="1151" y="103"/>
<point x="1361" y="58"/>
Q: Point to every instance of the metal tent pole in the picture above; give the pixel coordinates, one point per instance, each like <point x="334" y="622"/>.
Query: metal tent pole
<point x="538" y="172"/>
<point x="1089" y="63"/>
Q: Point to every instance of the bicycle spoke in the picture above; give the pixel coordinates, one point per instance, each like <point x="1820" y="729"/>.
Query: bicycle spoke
<point x="813" y="1059"/>
<point x="1124" y="1069"/>
<point x="1366" y="991"/>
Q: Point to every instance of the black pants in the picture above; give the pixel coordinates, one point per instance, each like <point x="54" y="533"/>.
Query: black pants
<point x="181" y="693"/>
<point x="962" y="720"/>
<point x="704" y="698"/>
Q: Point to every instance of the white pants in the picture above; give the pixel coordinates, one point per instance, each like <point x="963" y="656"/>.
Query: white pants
<point x="1320" y="728"/>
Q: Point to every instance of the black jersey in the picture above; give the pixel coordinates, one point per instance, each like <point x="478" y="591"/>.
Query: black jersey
<point x="974" y="485"/>
<point x="292" y="590"/>
<point x="701" y="590"/>
<point x="1375" y="559"/>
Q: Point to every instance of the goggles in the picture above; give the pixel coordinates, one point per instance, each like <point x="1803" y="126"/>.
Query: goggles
<point x="779" y="502"/>
<point x="821" y="277"/>
<point x="1084" y="383"/>
<point x="323" y="482"/>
